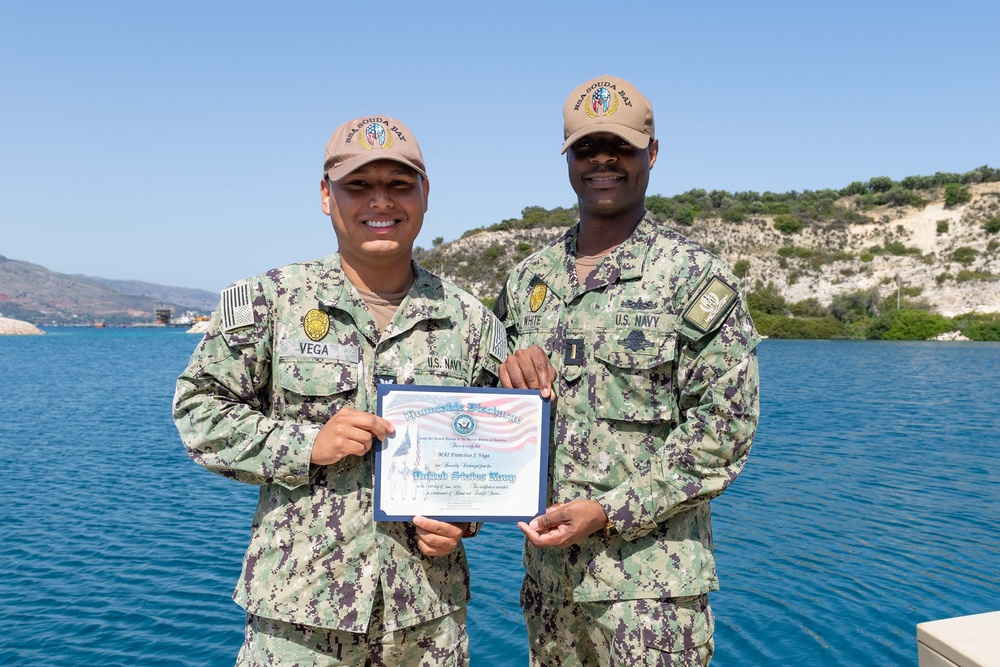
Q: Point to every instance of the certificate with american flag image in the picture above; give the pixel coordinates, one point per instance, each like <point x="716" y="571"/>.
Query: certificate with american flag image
<point x="462" y="454"/>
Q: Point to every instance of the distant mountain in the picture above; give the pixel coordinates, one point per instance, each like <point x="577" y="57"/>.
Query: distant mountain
<point x="191" y="299"/>
<point x="35" y="294"/>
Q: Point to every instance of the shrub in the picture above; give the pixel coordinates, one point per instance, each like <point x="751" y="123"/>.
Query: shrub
<point x="766" y="299"/>
<point x="955" y="194"/>
<point x="897" y="248"/>
<point x="942" y="227"/>
<point x="853" y="305"/>
<point x="810" y="307"/>
<point x="992" y="226"/>
<point x="741" y="268"/>
<point x="964" y="255"/>
<point x="979" y="327"/>
<point x="779" y="326"/>
<point x="788" y="224"/>
<point x="880" y="184"/>
<point x="965" y="276"/>
<point x="908" y="325"/>
<point x="492" y="254"/>
<point x="867" y="256"/>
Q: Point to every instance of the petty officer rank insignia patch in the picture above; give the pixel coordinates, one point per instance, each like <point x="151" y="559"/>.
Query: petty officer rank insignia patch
<point x="710" y="306"/>
<point x="316" y="324"/>
<point x="237" y="311"/>
<point x="537" y="298"/>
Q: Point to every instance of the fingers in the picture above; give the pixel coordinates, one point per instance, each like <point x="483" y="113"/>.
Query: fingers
<point x="349" y="432"/>
<point x="528" y="369"/>
<point x="437" y="538"/>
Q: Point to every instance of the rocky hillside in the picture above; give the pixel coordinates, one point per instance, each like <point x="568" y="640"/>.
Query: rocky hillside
<point x="34" y="294"/>
<point x="946" y="257"/>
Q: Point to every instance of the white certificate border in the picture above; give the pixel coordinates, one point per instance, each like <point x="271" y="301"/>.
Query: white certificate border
<point x="384" y="390"/>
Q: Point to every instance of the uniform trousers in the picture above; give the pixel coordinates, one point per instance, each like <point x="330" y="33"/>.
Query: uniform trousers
<point x="440" y="642"/>
<point x="667" y="632"/>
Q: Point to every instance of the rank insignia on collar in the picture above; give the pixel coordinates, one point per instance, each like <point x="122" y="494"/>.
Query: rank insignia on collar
<point x="537" y="296"/>
<point x="711" y="305"/>
<point x="636" y="341"/>
<point x="316" y="324"/>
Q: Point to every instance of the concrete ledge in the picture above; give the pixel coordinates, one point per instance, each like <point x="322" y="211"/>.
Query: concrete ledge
<point x="965" y="641"/>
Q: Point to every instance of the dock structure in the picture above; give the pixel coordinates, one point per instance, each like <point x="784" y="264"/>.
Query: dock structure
<point x="965" y="641"/>
<point x="163" y="315"/>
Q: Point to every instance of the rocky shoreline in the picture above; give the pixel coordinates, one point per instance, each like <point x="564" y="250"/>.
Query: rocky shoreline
<point x="11" y="327"/>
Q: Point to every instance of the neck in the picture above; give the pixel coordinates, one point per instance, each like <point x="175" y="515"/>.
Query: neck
<point x="598" y="235"/>
<point x="384" y="278"/>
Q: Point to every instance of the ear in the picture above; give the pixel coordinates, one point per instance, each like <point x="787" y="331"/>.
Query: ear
<point x="427" y="190"/>
<point x="325" y="196"/>
<point x="654" y="149"/>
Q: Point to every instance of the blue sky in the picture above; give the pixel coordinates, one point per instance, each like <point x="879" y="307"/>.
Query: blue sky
<point x="181" y="143"/>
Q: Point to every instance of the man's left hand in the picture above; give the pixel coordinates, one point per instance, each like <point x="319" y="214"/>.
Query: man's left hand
<point x="437" y="538"/>
<point x="565" y="524"/>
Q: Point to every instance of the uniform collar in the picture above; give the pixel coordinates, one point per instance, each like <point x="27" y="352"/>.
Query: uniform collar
<point x="424" y="301"/>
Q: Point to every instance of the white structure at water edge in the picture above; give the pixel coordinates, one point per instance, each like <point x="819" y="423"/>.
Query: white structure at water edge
<point x="965" y="641"/>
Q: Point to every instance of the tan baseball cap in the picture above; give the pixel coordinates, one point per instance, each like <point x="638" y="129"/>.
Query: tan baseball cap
<point x="607" y="104"/>
<point x="362" y="140"/>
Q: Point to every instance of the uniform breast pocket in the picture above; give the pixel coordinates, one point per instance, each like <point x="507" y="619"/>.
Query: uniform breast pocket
<point x="314" y="389"/>
<point x="635" y="377"/>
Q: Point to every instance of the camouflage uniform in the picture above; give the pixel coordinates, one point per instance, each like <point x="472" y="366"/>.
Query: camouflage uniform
<point x="656" y="406"/>
<point x="252" y="400"/>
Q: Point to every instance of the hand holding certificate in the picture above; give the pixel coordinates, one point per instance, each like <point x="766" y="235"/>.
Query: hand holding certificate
<point x="461" y="454"/>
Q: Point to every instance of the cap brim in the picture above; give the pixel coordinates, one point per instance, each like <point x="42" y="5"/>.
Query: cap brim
<point x="348" y="166"/>
<point x="638" y="139"/>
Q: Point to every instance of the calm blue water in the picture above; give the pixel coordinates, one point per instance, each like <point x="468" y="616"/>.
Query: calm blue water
<point x="871" y="503"/>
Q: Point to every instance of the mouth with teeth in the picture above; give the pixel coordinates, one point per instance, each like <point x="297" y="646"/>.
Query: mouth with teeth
<point x="604" y="178"/>
<point x="381" y="224"/>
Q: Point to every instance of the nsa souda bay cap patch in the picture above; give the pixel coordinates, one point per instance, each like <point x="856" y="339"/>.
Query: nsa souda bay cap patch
<point x="362" y="140"/>
<point x="711" y="306"/>
<point x="607" y="104"/>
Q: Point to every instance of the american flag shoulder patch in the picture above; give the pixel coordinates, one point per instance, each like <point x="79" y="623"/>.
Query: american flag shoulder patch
<point x="236" y="309"/>
<point x="498" y="344"/>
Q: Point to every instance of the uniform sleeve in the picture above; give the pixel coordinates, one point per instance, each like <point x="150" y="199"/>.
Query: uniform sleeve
<point x="718" y="400"/>
<point x="221" y="408"/>
<point x="491" y="351"/>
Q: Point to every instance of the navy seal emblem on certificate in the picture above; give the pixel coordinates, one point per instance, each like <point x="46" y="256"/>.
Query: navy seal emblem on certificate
<point x="462" y="454"/>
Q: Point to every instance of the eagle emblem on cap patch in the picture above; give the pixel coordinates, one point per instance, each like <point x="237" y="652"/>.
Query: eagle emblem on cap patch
<point x="316" y="324"/>
<point x="603" y="102"/>
<point x="375" y="136"/>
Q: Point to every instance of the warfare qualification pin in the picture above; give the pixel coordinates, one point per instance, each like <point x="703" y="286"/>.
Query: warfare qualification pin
<point x="537" y="296"/>
<point x="316" y="324"/>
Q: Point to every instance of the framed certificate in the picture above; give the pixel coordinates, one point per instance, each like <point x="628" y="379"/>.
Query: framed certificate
<point x="462" y="454"/>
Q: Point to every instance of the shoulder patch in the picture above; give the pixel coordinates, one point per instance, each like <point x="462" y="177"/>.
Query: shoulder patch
<point x="711" y="306"/>
<point x="498" y="340"/>
<point x="236" y="309"/>
<point x="500" y="307"/>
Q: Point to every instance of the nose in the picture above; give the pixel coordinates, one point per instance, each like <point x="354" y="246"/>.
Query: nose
<point x="603" y="154"/>
<point x="381" y="198"/>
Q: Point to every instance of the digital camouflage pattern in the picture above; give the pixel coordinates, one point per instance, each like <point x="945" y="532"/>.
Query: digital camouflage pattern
<point x="653" y="415"/>
<point x="671" y="633"/>
<point x="442" y="642"/>
<point x="253" y="398"/>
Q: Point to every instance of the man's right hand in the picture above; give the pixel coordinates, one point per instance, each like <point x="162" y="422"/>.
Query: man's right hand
<point x="348" y="433"/>
<point x="528" y="369"/>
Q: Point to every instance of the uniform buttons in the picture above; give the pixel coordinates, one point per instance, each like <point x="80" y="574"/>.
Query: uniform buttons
<point x="291" y="478"/>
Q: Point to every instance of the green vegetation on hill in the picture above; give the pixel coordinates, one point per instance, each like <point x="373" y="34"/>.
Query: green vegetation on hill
<point x="480" y="262"/>
<point x="860" y="314"/>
